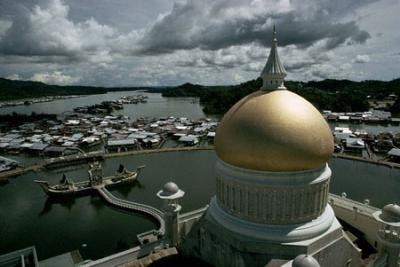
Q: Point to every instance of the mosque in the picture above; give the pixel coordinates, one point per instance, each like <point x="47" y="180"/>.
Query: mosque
<point x="272" y="205"/>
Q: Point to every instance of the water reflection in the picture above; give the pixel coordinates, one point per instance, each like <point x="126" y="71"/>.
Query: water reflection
<point x="126" y="190"/>
<point x="28" y="217"/>
<point x="157" y="106"/>
<point x="4" y="182"/>
<point x="48" y="204"/>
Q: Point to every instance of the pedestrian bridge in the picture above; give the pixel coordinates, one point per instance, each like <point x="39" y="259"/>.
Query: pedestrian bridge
<point x="134" y="206"/>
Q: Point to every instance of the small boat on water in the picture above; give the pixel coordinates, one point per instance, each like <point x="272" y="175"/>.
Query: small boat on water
<point x="68" y="187"/>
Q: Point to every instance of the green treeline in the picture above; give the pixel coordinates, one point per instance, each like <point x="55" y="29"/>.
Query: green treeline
<point x="335" y="95"/>
<point x="13" y="90"/>
<point x="16" y="119"/>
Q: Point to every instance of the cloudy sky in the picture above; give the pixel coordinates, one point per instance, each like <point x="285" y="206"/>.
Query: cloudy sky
<point x="169" y="42"/>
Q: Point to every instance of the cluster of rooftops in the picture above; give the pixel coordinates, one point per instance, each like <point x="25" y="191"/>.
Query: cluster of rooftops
<point x="84" y="131"/>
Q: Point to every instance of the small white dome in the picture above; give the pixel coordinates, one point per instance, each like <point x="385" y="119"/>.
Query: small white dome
<point x="170" y="188"/>
<point x="305" y="261"/>
<point x="391" y="213"/>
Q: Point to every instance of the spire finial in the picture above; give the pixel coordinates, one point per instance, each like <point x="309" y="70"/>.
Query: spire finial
<point x="273" y="73"/>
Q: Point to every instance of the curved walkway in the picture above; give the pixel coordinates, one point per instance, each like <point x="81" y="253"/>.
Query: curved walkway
<point x="133" y="206"/>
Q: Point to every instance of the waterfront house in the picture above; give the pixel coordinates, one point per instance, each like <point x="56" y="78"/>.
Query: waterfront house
<point x="7" y="164"/>
<point x="38" y="148"/>
<point x="55" y="151"/>
<point x="3" y="146"/>
<point x="344" y="118"/>
<point x="72" y="122"/>
<point x="90" y="141"/>
<point x="189" y="140"/>
<point x="394" y="154"/>
<point x="342" y="133"/>
<point x="15" y="146"/>
<point x="121" y="145"/>
<point x="150" y="142"/>
<point x="68" y="144"/>
<point x="354" y="143"/>
<point x="210" y="135"/>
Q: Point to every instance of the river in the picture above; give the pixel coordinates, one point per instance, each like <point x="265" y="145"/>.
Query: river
<point x="157" y="106"/>
<point x="28" y="218"/>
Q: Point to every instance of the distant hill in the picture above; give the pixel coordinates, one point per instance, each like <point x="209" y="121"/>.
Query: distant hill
<point x="15" y="89"/>
<point x="186" y="89"/>
<point x="329" y="94"/>
<point x="12" y="90"/>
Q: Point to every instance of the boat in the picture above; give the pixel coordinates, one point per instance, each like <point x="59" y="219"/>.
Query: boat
<point x="67" y="187"/>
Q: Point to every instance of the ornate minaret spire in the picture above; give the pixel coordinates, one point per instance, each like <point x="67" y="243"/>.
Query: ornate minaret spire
<point x="273" y="73"/>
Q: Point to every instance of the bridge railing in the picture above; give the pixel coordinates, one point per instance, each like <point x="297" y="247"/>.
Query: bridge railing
<point x="351" y="204"/>
<point x="192" y="214"/>
<point x="157" y="214"/>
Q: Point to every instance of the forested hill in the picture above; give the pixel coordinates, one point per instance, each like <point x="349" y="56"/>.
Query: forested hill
<point x="11" y="89"/>
<point x="335" y="95"/>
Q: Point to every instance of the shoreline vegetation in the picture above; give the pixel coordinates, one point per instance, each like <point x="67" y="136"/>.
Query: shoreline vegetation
<point x="333" y="95"/>
<point x="20" y="90"/>
<point x="328" y="94"/>
<point x="15" y="119"/>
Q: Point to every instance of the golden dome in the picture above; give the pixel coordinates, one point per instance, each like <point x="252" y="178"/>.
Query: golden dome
<point x="274" y="131"/>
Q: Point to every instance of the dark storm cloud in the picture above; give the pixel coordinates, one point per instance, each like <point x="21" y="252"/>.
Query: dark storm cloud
<point x="300" y="65"/>
<point x="45" y="30"/>
<point x="24" y="37"/>
<point x="203" y="24"/>
<point x="204" y="41"/>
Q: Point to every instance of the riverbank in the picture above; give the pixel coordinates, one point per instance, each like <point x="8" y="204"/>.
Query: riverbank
<point x="19" y="171"/>
<point x="161" y="150"/>
<point x="182" y="149"/>
<point x="335" y="95"/>
<point x="39" y="166"/>
<point x="36" y="100"/>
<point x="78" y="158"/>
<point x="372" y="161"/>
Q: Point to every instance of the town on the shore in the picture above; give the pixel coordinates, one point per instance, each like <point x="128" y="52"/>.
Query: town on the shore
<point x="95" y="128"/>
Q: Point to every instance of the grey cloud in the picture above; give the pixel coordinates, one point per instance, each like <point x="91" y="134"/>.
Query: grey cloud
<point x="43" y="32"/>
<point x="42" y="28"/>
<point x="361" y="59"/>
<point x="207" y="41"/>
<point x="300" y="65"/>
<point x="22" y="38"/>
<point x="202" y="24"/>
